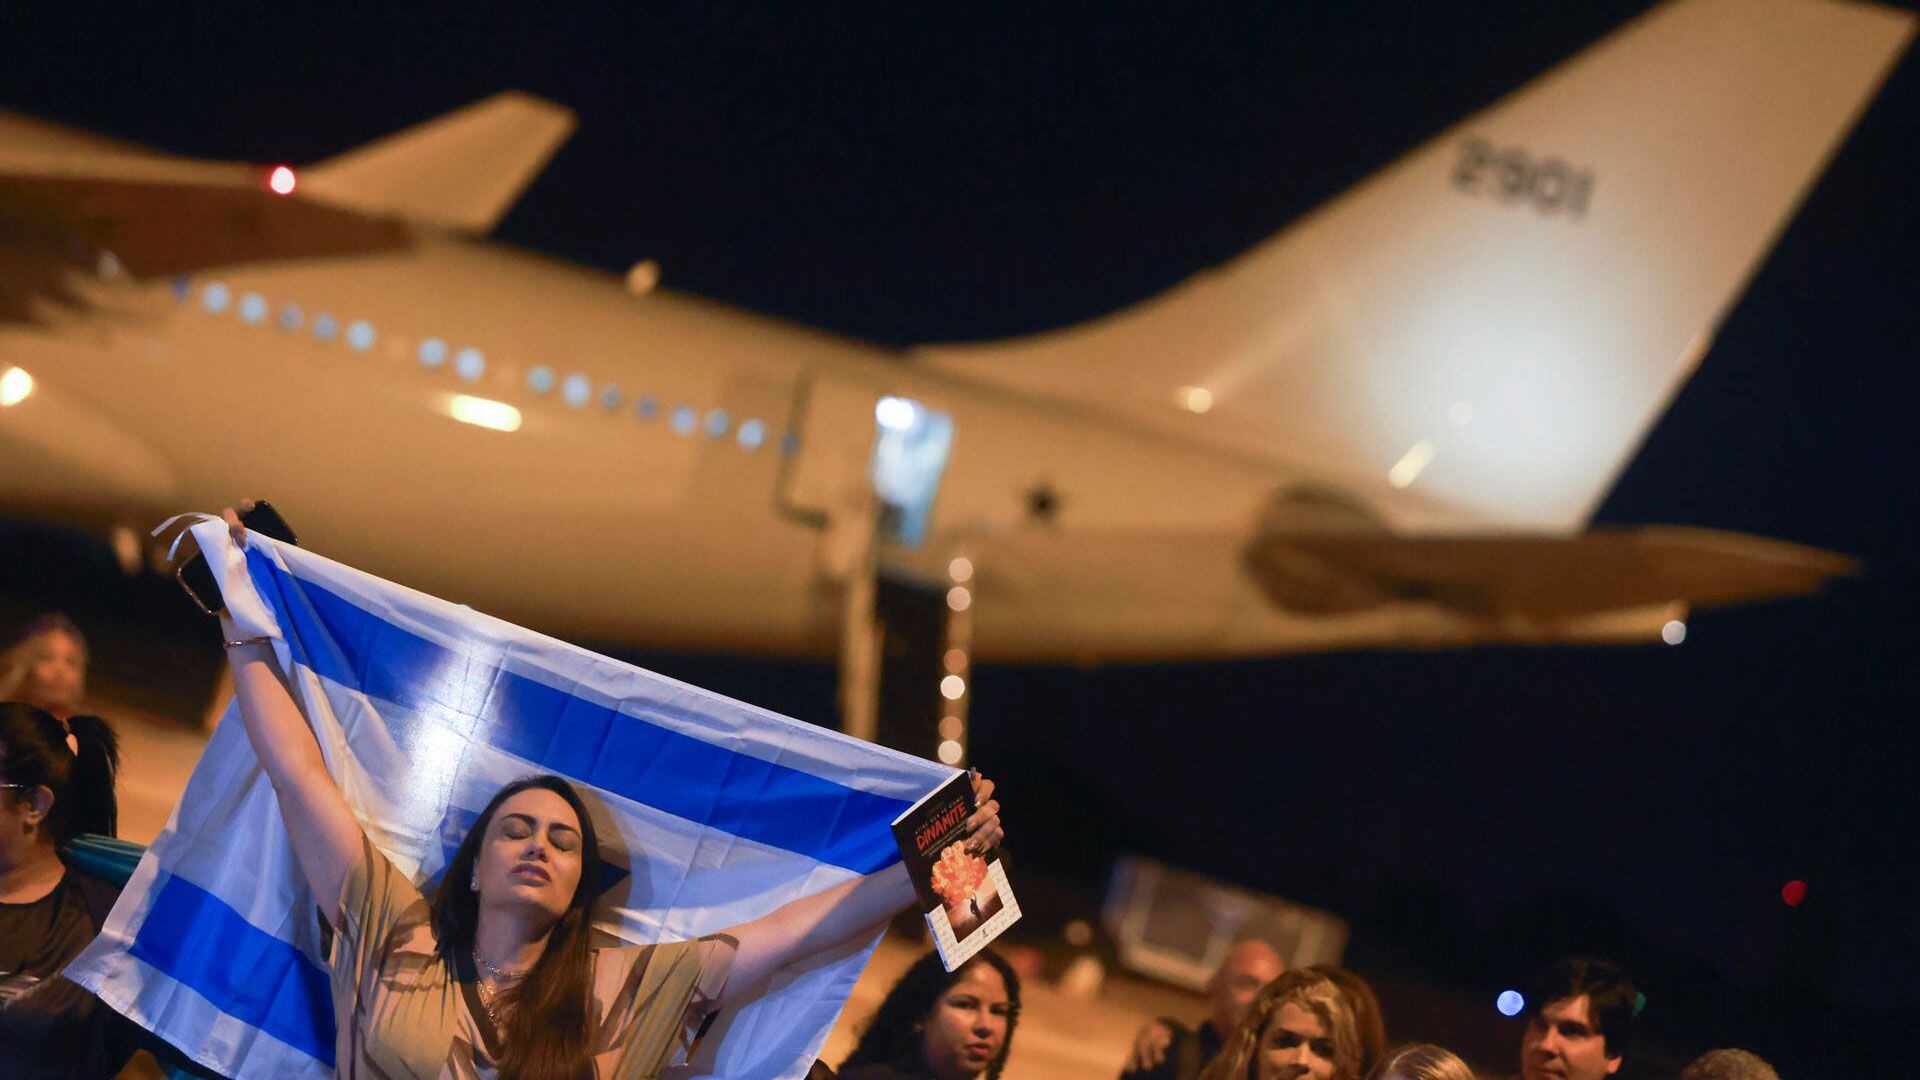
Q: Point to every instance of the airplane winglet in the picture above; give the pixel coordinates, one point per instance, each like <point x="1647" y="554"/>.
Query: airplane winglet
<point x="460" y="171"/>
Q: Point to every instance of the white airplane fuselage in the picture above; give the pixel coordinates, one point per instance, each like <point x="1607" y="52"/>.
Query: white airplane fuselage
<point x="600" y="520"/>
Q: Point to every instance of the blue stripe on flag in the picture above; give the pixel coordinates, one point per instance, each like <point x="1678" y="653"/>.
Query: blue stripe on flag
<point x="736" y="793"/>
<point x="193" y="937"/>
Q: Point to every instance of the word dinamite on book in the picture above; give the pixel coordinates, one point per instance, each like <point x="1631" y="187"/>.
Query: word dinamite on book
<point x="965" y="898"/>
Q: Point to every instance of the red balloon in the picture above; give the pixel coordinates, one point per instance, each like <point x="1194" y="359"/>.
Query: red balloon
<point x="1793" y="892"/>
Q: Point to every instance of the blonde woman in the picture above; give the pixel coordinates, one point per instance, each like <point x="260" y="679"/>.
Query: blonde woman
<point x="1301" y="1026"/>
<point x="1421" y="1061"/>
<point x="46" y="667"/>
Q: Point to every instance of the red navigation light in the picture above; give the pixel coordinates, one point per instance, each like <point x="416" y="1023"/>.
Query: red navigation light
<point x="282" y="180"/>
<point x="1793" y="892"/>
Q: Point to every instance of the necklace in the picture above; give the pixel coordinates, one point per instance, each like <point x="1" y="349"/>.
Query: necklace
<point x="487" y="994"/>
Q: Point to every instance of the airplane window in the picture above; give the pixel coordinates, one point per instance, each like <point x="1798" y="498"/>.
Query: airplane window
<point x="790" y="444"/>
<point x="576" y="390"/>
<point x="182" y="288"/>
<point x="647" y="408"/>
<point x="684" y="420"/>
<point x="290" y="316"/>
<point x="751" y="434"/>
<point x="432" y="352"/>
<point x="215" y="297"/>
<point x="470" y="364"/>
<point x="325" y="326"/>
<point x="610" y="397"/>
<point x="540" y="379"/>
<point x="253" y="309"/>
<point x="717" y="423"/>
<point x="360" y="334"/>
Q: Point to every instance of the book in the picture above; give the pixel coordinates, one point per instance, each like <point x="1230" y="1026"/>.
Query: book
<point x="965" y="898"/>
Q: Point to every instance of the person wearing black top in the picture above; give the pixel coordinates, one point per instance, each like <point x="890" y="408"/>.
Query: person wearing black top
<point x="941" y="1025"/>
<point x="56" y="779"/>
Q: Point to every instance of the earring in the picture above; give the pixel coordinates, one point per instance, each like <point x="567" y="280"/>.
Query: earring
<point x="474" y="884"/>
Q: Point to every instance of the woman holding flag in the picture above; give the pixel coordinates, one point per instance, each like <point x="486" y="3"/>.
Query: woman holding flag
<point x="494" y="975"/>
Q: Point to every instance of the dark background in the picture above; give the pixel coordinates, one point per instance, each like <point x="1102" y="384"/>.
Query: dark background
<point x="963" y="171"/>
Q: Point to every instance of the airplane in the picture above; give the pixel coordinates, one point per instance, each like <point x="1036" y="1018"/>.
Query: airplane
<point x="1387" y="425"/>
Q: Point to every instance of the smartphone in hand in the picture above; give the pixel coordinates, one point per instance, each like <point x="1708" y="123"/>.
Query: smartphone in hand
<point x="196" y="577"/>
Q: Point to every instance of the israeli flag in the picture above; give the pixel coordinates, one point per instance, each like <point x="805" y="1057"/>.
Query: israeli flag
<point x="710" y="813"/>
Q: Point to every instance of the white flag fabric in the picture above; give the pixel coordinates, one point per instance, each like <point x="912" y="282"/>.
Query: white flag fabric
<point x="710" y="812"/>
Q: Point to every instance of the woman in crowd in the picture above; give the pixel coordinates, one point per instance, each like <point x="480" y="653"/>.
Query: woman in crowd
<point x="941" y="1025"/>
<point x="1368" y="1020"/>
<point x="1302" y="1026"/>
<point x="55" y="780"/>
<point x="495" y="976"/>
<point x="1421" y="1061"/>
<point x="46" y="667"/>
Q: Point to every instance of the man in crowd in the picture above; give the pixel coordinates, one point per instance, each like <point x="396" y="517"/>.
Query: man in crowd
<point x="1164" y="1049"/>
<point x="1579" y="1021"/>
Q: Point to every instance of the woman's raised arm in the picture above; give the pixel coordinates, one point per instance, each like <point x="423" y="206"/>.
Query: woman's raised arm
<point x="326" y="837"/>
<point x="846" y="911"/>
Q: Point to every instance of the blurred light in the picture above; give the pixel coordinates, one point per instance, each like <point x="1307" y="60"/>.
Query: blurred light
<point x="1079" y="933"/>
<point x="1674" y="632"/>
<point x="1194" y="399"/>
<point x="215" y="297"/>
<point x="751" y="434"/>
<point x="107" y="265"/>
<point x="790" y="444"/>
<point x="577" y="390"/>
<point x="282" y="180"/>
<point x="717" y="423"/>
<point x="540" y="379"/>
<point x="182" y="288"/>
<point x="956" y="660"/>
<point x="643" y="277"/>
<point x="647" y="408"/>
<point x="432" y="352"/>
<point x="894" y="414"/>
<point x="1461" y="414"/>
<point x="481" y="412"/>
<point x="1510" y="1003"/>
<point x="1408" y="468"/>
<point x="1639" y="1003"/>
<point x="684" y="420"/>
<point x="360" y="335"/>
<point x="15" y="385"/>
<point x="951" y="727"/>
<point x="253" y="309"/>
<point x="953" y="687"/>
<point x="960" y="569"/>
<point x="1793" y="892"/>
<point x="958" y="598"/>
<point x="950" y="752"/>
<point x="469" y="363"/>
<point x="324" y="327"/>
<point x="290" y="317"/>
<point x="611" y="398"/>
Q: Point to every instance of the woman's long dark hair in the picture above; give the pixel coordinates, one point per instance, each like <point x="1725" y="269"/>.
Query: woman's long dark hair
<point x="546" y="1029"/>
<point x="34" y="753"/>
<point x="893" y="1036"/>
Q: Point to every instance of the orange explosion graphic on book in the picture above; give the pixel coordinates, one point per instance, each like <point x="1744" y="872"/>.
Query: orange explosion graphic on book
<point x="957" y="874"/>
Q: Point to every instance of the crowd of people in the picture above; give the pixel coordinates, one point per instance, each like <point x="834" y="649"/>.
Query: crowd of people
<point x="493" y="975"/>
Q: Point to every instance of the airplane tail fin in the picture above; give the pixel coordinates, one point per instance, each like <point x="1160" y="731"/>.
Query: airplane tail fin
<point x="461" y="171"/>
<point x="1478" y="336"/>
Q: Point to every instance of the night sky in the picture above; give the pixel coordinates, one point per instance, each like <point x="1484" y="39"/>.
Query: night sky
<point x="959" y="172"/>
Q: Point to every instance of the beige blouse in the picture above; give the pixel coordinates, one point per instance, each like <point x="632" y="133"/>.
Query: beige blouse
<point x="403" y="1014"/>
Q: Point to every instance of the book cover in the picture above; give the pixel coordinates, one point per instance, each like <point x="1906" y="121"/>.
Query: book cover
<point x="965" y="898"/>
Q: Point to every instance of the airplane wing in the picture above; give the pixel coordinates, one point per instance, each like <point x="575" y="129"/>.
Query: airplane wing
<point x="68" y="201"/>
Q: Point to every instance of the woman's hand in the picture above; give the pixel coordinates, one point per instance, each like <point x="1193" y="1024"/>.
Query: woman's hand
<point x="983" y="828"/>
<point x="231" y="515"/>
